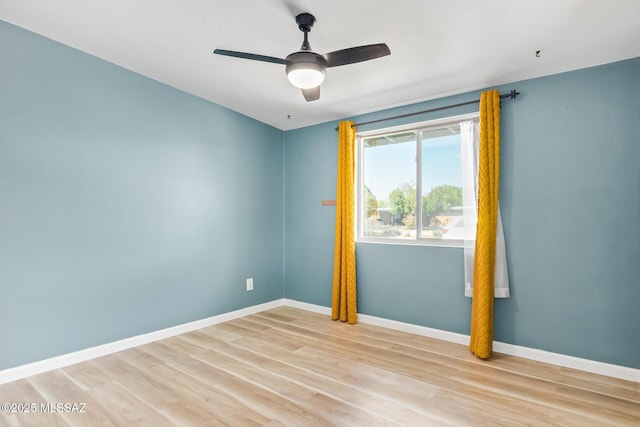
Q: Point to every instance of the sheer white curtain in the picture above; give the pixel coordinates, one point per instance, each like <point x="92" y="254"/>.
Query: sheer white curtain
<point x="469" y="136"/>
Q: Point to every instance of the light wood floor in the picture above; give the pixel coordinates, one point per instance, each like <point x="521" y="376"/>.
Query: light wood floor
<point x="291" y="367"/>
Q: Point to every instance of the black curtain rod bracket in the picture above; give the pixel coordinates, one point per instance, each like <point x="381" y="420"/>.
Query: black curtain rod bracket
<point x="511" y="95"/>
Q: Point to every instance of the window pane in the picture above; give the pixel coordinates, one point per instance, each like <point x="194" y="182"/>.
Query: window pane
<point x="389" y="190"/>
<point x="442" y="183"/>
<point x="410" y="185"/>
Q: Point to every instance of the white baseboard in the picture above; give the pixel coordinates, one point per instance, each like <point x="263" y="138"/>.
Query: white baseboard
<point x="587" y="365"/>
<point x="601" y="368"/>
<point x="386" y="323"/>
<point x="57" y="362"/>
<point x="320" y="309"/>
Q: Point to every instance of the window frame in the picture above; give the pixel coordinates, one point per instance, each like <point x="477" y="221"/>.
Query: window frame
<point x="416" y="127"/>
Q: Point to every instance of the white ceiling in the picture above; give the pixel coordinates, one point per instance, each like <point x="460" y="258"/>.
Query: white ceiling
<point x="438" y="47"/>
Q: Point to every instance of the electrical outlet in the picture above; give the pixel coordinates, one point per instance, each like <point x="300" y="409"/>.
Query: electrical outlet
<point x="250" y="284"/>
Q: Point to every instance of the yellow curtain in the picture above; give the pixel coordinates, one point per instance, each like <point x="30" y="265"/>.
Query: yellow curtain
<point x="343" y="301"/>
<point x="481" y="342"/>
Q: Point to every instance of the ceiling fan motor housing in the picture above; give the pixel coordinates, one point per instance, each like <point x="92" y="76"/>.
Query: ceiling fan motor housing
<point x="305" y="21"/>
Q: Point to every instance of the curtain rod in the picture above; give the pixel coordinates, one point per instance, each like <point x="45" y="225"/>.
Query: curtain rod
<point x="510" y="95"/>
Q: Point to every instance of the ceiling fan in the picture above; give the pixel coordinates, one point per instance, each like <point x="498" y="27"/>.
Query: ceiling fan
<point x="306" y="69"/>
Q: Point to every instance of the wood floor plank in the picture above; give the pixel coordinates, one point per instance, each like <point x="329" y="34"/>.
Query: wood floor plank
<point x="291" y="367"/>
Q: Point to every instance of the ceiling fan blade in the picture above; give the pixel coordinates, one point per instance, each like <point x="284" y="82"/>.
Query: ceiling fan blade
<point x="312" y="94"/>
<point x="253" y="56"/>
<point x="356" y="54"/>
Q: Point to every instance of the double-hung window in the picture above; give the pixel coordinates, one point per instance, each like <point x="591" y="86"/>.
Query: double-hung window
<point x="410" y="184"/>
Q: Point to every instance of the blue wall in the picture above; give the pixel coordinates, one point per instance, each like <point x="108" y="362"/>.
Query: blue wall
<point x="570" y="205"/>
<point x="126" y="206"/>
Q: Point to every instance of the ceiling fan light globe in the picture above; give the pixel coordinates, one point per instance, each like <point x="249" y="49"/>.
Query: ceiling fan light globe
<point x="305" y="70"/>
<point x="306" y="78"/>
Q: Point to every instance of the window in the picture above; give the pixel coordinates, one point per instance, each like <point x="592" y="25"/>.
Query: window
<point x="410" y="185"/>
